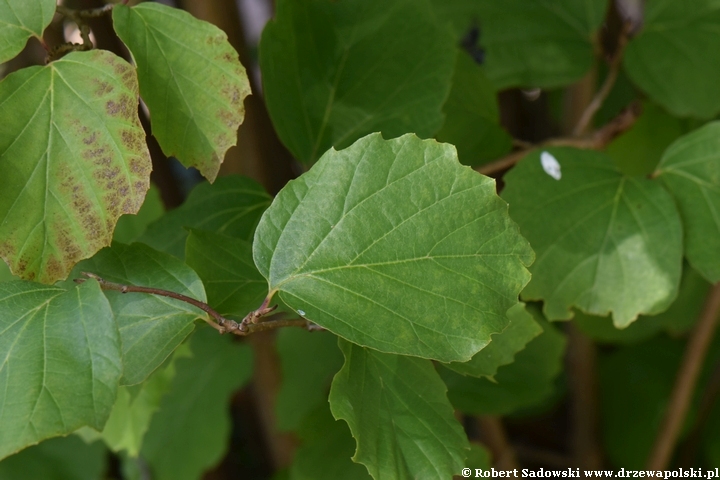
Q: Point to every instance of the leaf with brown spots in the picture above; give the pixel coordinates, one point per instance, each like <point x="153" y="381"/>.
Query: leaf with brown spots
<point x="73" y="159"/>
<point x="190" y="78"/>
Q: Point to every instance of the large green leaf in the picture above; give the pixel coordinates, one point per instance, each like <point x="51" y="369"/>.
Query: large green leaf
<point x="191" y="80"/>
<point x="190" y="431"/>
<point x="67" y="458"/>
<point x="232" y="206"/>
<point x="690" y="168"/>
<point x="604" y="242"/>
<point x="503" y="347"/>
<point x="20" y="20"/>
<point x="533" y="43"/>
<point x="151" y="326"/>
<point x="327" y="446"/>
<point x="472" y="117"/>
<point x="399" y="414"/>
<point x="679" y="318"/>
<point x="73" y="159"/>
<point x="394" y="245"/>
<point x="59" y="361"/>
<point x="524" y="383"/>
<point x="308" y="360"/>
<point x="336" y="71"/>
<point x="225" y="264"/>
<point x="668" y="59"/>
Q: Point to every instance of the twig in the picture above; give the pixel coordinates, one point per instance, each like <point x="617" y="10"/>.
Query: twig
<point x="584" y="410"/>
<point x="601" y="95"/>
<point x="597" y="140"/>
<point x="221" y="324"/>
<point x="77" y="16"/>
<point x="685" y="381"/>
<point x="493" y="435"/>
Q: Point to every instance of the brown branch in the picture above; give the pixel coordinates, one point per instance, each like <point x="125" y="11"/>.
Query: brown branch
<point x="604" y="91"/>
<point x="597" y="140"/>
<point x="249" y="325"/>
<point x="493" y="435"/>
<point x="685" y="381"/>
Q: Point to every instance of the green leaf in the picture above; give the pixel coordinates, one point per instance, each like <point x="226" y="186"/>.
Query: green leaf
<point x="190" y="79"/>
<point x="604" y="242"/>
<point x="472" y="118"/>
<point x="308" y="360"/>
<point x="336" y="71"/>
<point x="327" y="446"/>
<point x="67" y="458"/>
<point x="20" y="20"/>
<point x="135" y="406"/>
<point x="679" y="318"/>
<point x="690" y="169"/>
<point x="638" y="151"/>
<point x="73" y="159"/>
<point x="190" y="431"/>
<point x="478" y="457"/>
<point x="232" y="205"/>
<point x="524" y="383"/>
<point x="392" y="244"/>
<point x="130" y="227"/>
<point x="540" y="43"/>
<point x="59" y="361"/>
<point x="635" y="386"/>
<point x="225" y="265"/>
<point x="151" y="327"/>
<point x="398" y="412"/>
<point x="668" y="59"/>
<point x="503" y="347"/>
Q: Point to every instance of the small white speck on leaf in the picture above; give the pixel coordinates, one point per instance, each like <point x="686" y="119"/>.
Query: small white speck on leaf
<point x="300" y="312"/>
<point x="550" y="165"/>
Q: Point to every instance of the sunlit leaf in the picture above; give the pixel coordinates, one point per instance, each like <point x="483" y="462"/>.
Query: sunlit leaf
<point x="336" y="71"/>
<point x="390" y="401"/>
<point x="690" y="168"/>
<point x="20" y="20"/>
<point x="231" y="206"/>
<point x="60" y="361"/>
<point x="394" y="245"/>
<point x="151" y="326"/>
<point x="190" y="431"/>
<point x="73" y="159"/>
<point x="668" y="58"/>
<point x="605" y="242"/>
<point x="190" y="79"/>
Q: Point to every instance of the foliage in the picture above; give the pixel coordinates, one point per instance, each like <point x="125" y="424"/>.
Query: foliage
<point x="410" y="263"/>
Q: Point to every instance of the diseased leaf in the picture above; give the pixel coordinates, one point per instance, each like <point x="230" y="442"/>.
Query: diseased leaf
<point x="308" y="360"/>
<point x="524" y="383"/>
<point x="614" y="243"/>
<point x="327" y="446"/>
<point x="59" y="361"/>
<point x="472" y="117"/>
<point x="690" y="169"/>
<point x="67" y="458"/>
<point x="225" y="264"/>
<point x="668" y="59"/>
<point x="232" y="206"/>
<point x="190" y="431"/>
<point x="190" y="79"/>
<point x="20" y="20"/>
<point x="390" y="402"/>
<point x="392" y="244"/>
<point x="151" y="326"/>
<point x="336" y="71"/>
<point x="73" y="159"/>
<point x="679" y="318"/>
<point x="130" y="227"/>
<point x="540" y="43"/>
<point x="503" y="347"/>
